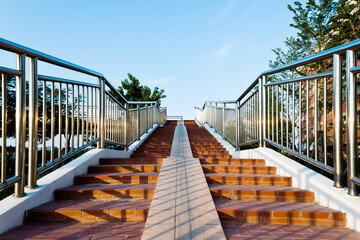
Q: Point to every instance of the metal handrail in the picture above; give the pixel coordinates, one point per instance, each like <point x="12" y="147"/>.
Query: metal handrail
<point x="273" y="113"/>
<point x="83" y="113"/>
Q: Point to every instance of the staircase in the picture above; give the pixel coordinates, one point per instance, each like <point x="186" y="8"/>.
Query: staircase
<point x="117" y="190"/>
<point x="248" y="194"/>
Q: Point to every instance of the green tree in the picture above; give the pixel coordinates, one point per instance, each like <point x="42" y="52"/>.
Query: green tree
<point x="132" y="90"/>
<point x="345" y="25"/>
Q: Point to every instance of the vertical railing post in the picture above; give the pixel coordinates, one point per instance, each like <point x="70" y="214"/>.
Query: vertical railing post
<point x="352" y="143"/>
<point x="261" y="132"/>
<point x="4" y="128"/>
<point x="147" y="117"/>
<point x="126" y="126"/>
<point x="263" y="127"/>
<point x="33" y="122"/>
<point x="338" y="122"/>
<point x="237" y="125"/>
<point x="102" y="117"/>
<point x="138" y="122"/>
<point x="20" y="126"/>
<point x="223" y="120"/>
<point x="215" y="117"/>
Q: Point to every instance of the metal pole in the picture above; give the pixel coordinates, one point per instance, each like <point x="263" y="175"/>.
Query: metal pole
<point x="126" y="126"/>
<point x="338" y="122"/>
<point x="20" y="126"/>
<point x="352" y="144"/>
<point x="33" y="123"/>
<point x="4" y="128"/>
<point x="261" y="137"/>
<point x="316" y="113"/>
<point x="223" y="121"/>
<point x="147" y="117"/>
<point x="215" y="116"/>
<point x="138" y="122"/>
<point x="102" y="113"/>
<point x="237" y="120"/>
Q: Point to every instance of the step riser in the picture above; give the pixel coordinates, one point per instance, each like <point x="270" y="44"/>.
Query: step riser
<point x="126" y="180"/>
<point x="232" y="161"/>
<point x="289" y="218"/>
<point x="258" y="181"/>
<point x="125" y="215"/>
<point x="237" y="195"/>
<point x="135" y="194"/>
<point x="240" y="170"/>
<point x="127" y="169"/>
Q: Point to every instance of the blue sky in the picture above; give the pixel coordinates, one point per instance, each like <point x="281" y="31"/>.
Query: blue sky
<point x="195" y="50"/>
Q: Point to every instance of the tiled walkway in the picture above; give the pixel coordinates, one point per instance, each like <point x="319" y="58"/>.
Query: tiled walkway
<point x="182" y="206"/>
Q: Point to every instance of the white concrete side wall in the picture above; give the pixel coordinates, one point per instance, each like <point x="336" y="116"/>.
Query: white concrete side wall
<point x="12" y="209"/>
<point x="304" y="178"/>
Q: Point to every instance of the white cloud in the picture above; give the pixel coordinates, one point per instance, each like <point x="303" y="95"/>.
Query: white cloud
<point x="223" y="13"/>
<point x="220" y="54"/>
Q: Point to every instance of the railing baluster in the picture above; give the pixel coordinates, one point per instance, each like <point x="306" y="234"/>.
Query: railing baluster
<point x="52" y="152"/>
<point x="325" y="121"/>
<point x="293" y="118"/>
<point x="72" y="117"/>
<point x="300" y="118"/>
<point x="316" y="109"/>
<point x="78" y="121"/>
<point x="352" y="138"/>
<point x="277" y="113"/>
<point x="282" y="115"/>
<point x="287" y="115"/>
<point x="4" y="127"/>
<point x="20" y="126"/>
<point x="66" y="118"/>
<point x="33" y="123"/>
<point x="60" y="120"/>
<point x="307" y="118"/>
<point x="44" y="116"/>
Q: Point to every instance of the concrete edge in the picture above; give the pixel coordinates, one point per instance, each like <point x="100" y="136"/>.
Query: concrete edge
<point x="12" y="209"/>
<point x="304" y="178"/>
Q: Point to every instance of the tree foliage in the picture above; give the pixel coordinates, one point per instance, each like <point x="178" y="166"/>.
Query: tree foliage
<point x="321" y="24"/>
<point x="132" y="90"/>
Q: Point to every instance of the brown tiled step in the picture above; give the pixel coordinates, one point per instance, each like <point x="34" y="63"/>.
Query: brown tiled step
<point x="150" y="155"/>
<point x="208" y="149"/>
<point x="242" y="169"/>
<point x="211" y="152"/>
<point x="125" y="168"/>
<point x="293" y="213"/>
<point x="131" y="160"/>
<point x="211" y="155"/>
<point x="247" y="179"/>
<point x="251" y="231"/>
<point x="89" y="211"/>
<point x="106" y="191"/>
<point x="77" y="231"/>
<point x="232" y="161"/>
<point x="117" y="178"/>
<point x="263" y="193"/>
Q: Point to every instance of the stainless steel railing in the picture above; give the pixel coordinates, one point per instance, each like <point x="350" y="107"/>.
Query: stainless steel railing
<point x="313" y="115"/>
<point x="57" y="118"/>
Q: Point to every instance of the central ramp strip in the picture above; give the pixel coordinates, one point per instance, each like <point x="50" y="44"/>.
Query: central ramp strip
<point x="182" y="206"/>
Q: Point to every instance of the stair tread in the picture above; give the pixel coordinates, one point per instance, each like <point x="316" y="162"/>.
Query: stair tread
<point x="108" y="187"/>
<point x="243" y="175"/>
<point x="266" y="206"/>
<point x="255" y="188"/>
<point x="84" y="205"/>
<point x="111" y="174"/>
<point x="235" y="166"/>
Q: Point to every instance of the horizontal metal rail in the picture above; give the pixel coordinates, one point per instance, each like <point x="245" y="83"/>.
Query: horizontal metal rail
<point x="305" y="78"/>
<point x="66" y="81"/>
